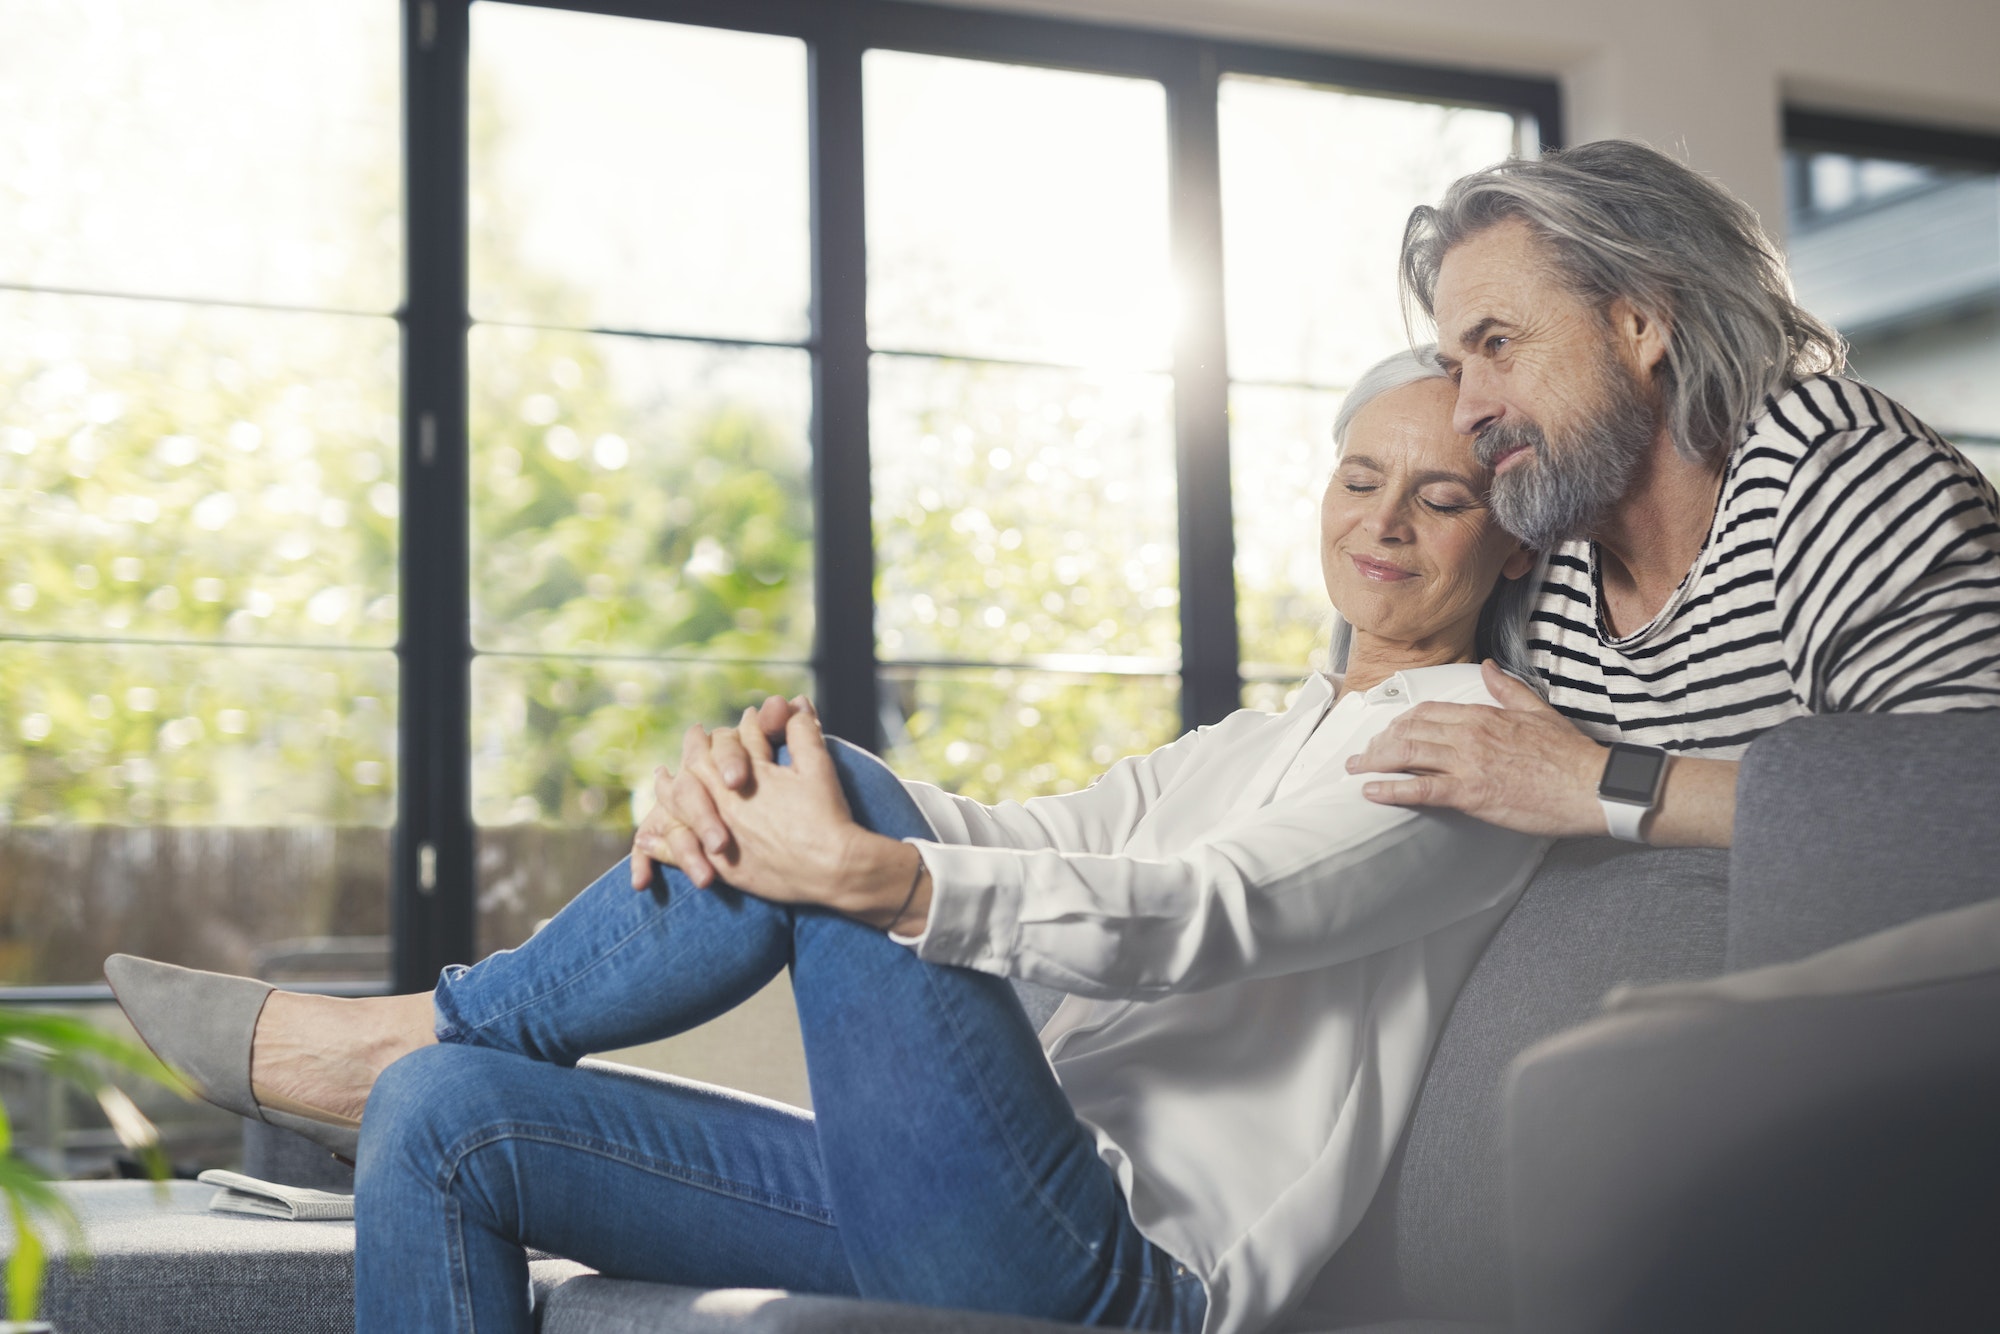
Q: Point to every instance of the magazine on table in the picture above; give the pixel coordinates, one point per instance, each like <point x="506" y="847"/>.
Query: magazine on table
<point x="247" y="1195"/>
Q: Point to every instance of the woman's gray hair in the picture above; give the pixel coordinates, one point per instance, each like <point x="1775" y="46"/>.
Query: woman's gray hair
<point x="1623" y="220"/>
<point x="1503" y="621"/>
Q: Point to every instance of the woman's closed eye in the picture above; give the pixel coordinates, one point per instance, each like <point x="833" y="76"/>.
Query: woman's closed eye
<point x="1450" y="503"/>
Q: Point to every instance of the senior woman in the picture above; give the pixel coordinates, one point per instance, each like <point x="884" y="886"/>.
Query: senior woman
<point x="1255" y="961"/>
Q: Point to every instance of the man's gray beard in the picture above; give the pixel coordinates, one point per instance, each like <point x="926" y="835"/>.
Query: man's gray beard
<point x="1566" y="491"/>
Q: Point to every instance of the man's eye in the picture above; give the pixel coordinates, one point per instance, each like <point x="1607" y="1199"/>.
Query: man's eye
<point x="1496" y="342"/>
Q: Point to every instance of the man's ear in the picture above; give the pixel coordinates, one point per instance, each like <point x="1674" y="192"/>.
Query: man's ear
<point x="1642" y="338"/>
<point x="1519" y="562"/>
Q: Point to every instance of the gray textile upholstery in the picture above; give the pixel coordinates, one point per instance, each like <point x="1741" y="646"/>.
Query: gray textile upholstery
<point x="1597" y="914"/>
<point x="1830" y="845"/>
<point x="1813" y="1140"/>
<point x="595" y="1305"/>
<point x="1039" y="1001"/>
<point x="162" y="1263"/>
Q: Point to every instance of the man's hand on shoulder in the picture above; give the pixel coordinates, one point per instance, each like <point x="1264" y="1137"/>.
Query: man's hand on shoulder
<point x="1521" y="766"/>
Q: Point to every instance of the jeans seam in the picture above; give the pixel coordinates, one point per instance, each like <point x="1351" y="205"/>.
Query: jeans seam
<point x="461" y="1276"/>
<point x="455" y="1157"/>
<point x="985" y="1096"/>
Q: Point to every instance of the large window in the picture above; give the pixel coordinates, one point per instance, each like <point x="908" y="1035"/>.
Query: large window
<point x="1894" y="238"/>
<point x="412" y="416"/>
<point x="1316" y="186"/>
<point x="200" y="264"/>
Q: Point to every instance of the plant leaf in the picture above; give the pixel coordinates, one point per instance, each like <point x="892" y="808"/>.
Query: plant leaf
<point x="43" y="1038"/>
<point x="26" y="1267"/>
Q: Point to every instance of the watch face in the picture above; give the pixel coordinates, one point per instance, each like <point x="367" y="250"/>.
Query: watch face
<point x="1632" y="774"/>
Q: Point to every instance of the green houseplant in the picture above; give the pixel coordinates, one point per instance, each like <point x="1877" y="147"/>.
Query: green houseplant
<point x="77" y="1053"/>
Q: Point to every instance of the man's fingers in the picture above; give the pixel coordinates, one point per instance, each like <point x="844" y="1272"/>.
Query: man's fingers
<point x="1403" y="754"/>
<point x="688" y="855"/>
<point x="1423" y="790"/>
<point x="1511" y="694"/>
<point x="642" y="868"/>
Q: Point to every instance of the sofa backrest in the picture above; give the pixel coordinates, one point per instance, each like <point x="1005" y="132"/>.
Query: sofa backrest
<point x="1597" y="913"/>
<point x="1852" y="823"/>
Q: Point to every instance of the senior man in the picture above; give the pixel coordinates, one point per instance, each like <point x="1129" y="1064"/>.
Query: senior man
<point x="1735" y="535"/>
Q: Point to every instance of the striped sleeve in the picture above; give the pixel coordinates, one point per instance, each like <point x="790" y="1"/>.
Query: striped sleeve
<point x="1887" y="560"/>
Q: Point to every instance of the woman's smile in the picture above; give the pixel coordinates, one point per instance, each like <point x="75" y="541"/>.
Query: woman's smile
<point x="1382" y="571"/>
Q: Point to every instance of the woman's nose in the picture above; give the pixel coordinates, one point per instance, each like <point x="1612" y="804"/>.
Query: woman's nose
<point x="1389" y="518"/>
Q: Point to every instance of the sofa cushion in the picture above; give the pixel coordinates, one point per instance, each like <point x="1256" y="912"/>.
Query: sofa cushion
<point x="1850" y="823"/>
<point x="160" y="1262"/>
<point x="1804" y="1146"/>
<point x="1598" y="913"/>
<point x="596" y="1305"/>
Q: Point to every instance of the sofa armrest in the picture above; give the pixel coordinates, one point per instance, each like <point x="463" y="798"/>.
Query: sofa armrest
<point x="1847" y="824"/>
<point x="1807" y="1146"/>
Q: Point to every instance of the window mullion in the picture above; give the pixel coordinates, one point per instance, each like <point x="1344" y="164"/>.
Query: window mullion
<point x="844" y="574"/>
<point x="1209" y="686"/>
<point x="432" y="895"/>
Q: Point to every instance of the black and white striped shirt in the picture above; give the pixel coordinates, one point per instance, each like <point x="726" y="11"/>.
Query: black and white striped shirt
<point x="1853" y="565"/>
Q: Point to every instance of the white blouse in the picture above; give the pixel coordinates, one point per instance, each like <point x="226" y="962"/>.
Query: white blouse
<point x="1258" y="960"/>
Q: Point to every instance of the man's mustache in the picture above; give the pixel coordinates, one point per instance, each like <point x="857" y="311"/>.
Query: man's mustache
<point x="1491" y="444"/>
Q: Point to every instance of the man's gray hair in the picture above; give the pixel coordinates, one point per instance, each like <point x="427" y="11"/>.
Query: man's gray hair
<point x="1623" y="220"/>
<point x="1503" y="622"/>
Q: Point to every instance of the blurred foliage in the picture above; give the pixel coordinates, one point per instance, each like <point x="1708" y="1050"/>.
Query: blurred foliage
<point x="74" y="1052"/>
<point x="642" y="558"/>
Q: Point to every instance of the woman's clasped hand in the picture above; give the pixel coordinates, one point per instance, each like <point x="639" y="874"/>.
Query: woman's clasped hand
<point x="780" y="831"/>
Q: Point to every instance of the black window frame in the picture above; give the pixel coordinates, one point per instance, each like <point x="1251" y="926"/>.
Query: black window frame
<point x="433" y="880"/>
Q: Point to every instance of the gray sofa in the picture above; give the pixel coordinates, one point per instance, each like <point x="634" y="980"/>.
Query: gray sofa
<point x="1565" y="1168"/>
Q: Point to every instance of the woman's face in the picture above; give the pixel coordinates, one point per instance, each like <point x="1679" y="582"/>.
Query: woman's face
<point x="1406" y="544"/>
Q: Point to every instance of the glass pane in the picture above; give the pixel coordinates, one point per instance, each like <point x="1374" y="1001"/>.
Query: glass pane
<point x="1023" y="511"/>
<point x="223" y="808"/>
<point x="1316" y="187"/>
<point x="1280" y="456"/>
<point x="1905" y="261"/>
<point x="1016" y="212"/>
<point x="1008" y="735"/>
<point x="639" y="495"/>
<point x="628" y="174"/>
<point x="248" y="150"/>
<point x="563" y="752"/>
<point x="182" y="472"/>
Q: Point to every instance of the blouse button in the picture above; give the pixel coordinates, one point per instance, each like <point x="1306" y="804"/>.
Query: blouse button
<point x="1392" y="691"/>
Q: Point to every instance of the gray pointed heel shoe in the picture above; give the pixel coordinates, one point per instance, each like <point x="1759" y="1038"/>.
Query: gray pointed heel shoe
<point x="201" y="1024"/>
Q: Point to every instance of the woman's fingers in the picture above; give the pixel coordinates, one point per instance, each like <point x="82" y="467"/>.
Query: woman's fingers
<point x="661" y="839"/>
<point x="750" y="735"/>
<point x="691" y="801"/>
<point x="687" y="854"/>
<point x="731" y="757"/>
<point x="773" y="714"/>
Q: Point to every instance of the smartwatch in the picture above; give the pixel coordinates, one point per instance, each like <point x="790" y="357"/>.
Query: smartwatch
<point x="1630" y="788"/>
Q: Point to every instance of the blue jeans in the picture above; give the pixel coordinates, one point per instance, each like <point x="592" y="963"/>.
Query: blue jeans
<point x="941" y="1165"/>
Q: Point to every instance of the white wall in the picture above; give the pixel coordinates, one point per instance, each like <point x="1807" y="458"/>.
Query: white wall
<point x="1704" y="78"/>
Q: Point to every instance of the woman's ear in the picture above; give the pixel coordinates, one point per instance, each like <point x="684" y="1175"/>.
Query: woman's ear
<point x="1519" y="562"/>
